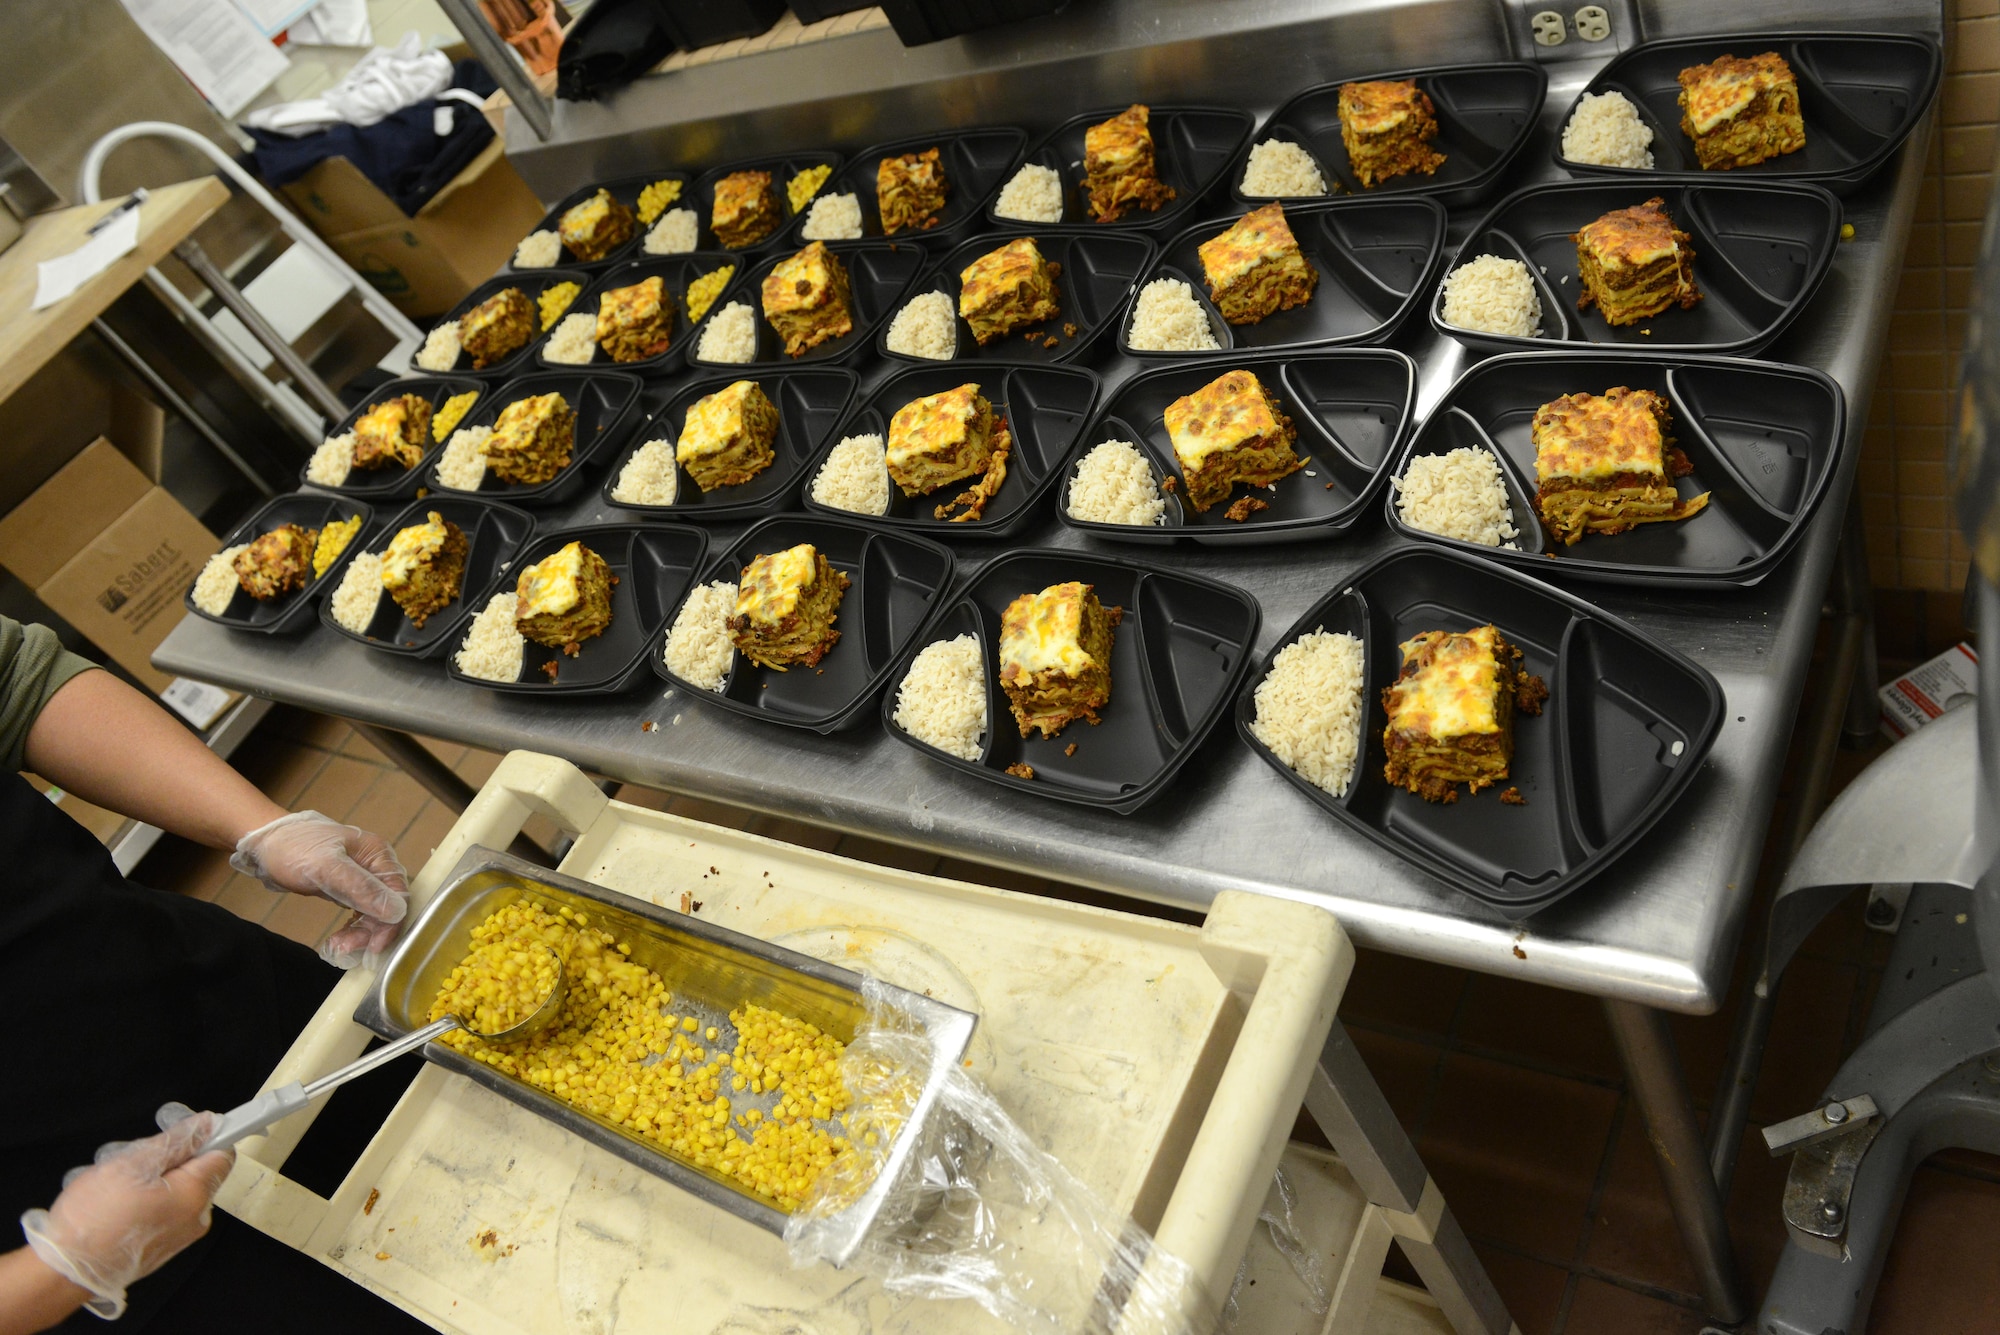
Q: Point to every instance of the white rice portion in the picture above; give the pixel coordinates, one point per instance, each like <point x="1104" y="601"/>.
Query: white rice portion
<point x="855" y="477"/>
<point x="1114" y="485"/>
<point x="1033" y="194"/>
<point x="538" y="250"/>
<point x="462" y="466"/>
<point x="217" y="584"/>
<point x="440" y="350"/>
<point x="492" y="648"/>
<point x="360" y="592"/>
<point x="943" y="698"/>
<point x="332" y="461"/>
<point x="730" y="335"/>
<point x="1309" y="708"/>
<point x="1281" y="168"/>
<point x="927" y="327"/>
<point x="674" y="234"/>
<point x="1605" y="130"/>
<point x="1167" y="318"/>
<point x="833" y="218"/>
<point x="699" y="649"/>
<point x="1494" y="296"/>
<point x="649" y="476"/>
<point x="1458" y="494"/>
<point x="575" y="341"/>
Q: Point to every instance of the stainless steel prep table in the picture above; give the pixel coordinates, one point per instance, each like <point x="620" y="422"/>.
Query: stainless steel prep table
<point x="1657" y="931"/>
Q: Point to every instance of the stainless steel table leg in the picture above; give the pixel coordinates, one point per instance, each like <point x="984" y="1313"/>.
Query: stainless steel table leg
<point x="1854" y="601"/>
<point x="1659" y="1087"/>
<point x="439" y="780"/>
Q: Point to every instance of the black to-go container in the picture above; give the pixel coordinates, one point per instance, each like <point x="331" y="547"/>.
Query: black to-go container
<point x="698" y="23"/>
<point x="920" y="21"/>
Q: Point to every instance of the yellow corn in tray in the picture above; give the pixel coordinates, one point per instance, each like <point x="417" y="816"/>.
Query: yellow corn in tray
<point x="805" y="185"/>
<point x="555" y="300"/>
<point x="451" y="412"/>
<point x="333" y="540"/>
<point x="764" y="1114"/>
<point x="655" y="199"/>
<point x="703" y="291"/>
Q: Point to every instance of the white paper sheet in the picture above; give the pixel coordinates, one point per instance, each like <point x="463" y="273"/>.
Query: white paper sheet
<point x="219" y="49"/>
<point x="57" y="278"/>
<point x="274" y="16"/>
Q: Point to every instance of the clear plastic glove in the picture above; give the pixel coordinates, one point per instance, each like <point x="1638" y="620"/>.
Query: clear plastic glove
<point x="310" y="854"/>
<point x="132" y="1211"/>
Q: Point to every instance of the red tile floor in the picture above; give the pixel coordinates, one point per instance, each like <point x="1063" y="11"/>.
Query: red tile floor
<point x="1512" y="1093"/>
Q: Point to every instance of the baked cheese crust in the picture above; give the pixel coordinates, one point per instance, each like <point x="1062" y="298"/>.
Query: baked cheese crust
<point x="746" y="209"/>
<point x="1741" y="111"/>
<point x="423" y="567"/>
<point x="807" y="299"/>
<point x="564" y="598"/>
<point x="532" y="441"/>
<point x="394" y="433"/>
<point x="786" y="604"/>
<point x="596" y="227"/>
<point x="497" y="327"/>
<point x="1451" y="712"/>
<point x="277" y="562"/>
<point x="1634" y="263"/>
<point x="726" y="437"/>
<point x="1006" y="289"/>
<point x="636" y="322"/>
<point x="1387" y="126"/>
<point x="940" y="439"/>
<point x="910" y="191"/>
<point x="1255" y="268"/>
<point x="1119" y="171"/>
<point x="1230" y="430"/>
<point x="1055" y="657"/>
<point x="1607" y="462"/>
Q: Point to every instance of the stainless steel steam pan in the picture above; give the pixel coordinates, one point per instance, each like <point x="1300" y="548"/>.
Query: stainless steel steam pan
<point x="707" y="967"/>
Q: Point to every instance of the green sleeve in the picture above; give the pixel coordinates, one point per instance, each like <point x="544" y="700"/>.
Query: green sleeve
<point x="33" y="667"/>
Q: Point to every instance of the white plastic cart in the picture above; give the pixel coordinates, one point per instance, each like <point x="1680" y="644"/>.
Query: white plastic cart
<point x="1162" y="1064"/>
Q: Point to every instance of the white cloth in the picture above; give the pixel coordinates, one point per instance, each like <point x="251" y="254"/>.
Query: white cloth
<point x="384" y="82"/>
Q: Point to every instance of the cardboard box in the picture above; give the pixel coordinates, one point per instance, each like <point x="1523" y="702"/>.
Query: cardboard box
<point x="426" y="263"/>
<point x="1949" y="681"/>
<point x="111" y="553"/>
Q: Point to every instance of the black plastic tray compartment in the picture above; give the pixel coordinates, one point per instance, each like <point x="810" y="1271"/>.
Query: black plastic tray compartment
<point x="879" y="275"/>
<point x="1099" y="271"/>
<point x="809" y="403"/>
<point x="1760" y="251"/>
<point x="1764" y="439"/>
<point x="896" y="583"/>
<point x="1045" y="408"/>
<point x="494" y="533"/>
<point x="654" y="564"/>
<point x="606" y="407"/>
<point x="1860" y="95"/>
<point x="626" y="191"/>
<point x="1192" y="148"/>
<point x="783" y="167"/>
<point x="675" y="273"/>
<point x="388" y="483"/>
<point x="1626" y="726"/>
<point x="1375" y="259"/>
<point x="291" y="611"/>
<point x="1485" y="114"/>
<point x="976" y="164"/>
<point x="1177" y="656"/>
<point x="1351" y="407"/>
<point x="532" y="282"/>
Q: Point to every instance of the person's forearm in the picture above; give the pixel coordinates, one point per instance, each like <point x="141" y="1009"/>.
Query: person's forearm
<point x="108" y="744"/>
<point x="32" y="1296"/>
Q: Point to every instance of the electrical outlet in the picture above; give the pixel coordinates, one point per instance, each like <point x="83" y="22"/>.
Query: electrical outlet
<point x="1549" y="28"/>
<point x="1593" y="23"/>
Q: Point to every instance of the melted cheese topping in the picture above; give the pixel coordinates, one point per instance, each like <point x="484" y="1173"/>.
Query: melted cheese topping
<point x="1113" y="145"/>
<point x="1631" y="238"/>
<point x="1377" y="106"/>
<point x="739" y="193"/>
<point x="508" y="303"/>
<point x="1221" y="415"/>
<point x="1592" y="437"/>
<point x="998" y="273"/>
<point x="715" y="421"/>
<point x="1719" y="91"/>
<point x="412" y="548"/>
<point x="1451" y="695"/>
<point x="799" y="282"/>
<point x="933" y="425"/>
<point x="384" y="419"/>
<point x="552" y="585"/>
<point x="772" y="584"/>
<point x="581" y="221"/>
<point x="1262" y="234"/>
<point x="630" y="305"/>
<point x="1041" y="631"/>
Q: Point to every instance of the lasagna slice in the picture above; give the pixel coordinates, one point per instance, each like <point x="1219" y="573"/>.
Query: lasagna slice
<point x="786" y="604"/>
<point x="1387" y="127"/>
<point x="1634" y="263"/>
<point x="1230" y="430"/>
<point x="596" y="227"/>
<point x="1055" y="657"/>
<point x="424" y="567"/>
<point x="745" y="209"/>
<point x="1739" y="112"/>
<point x="1451" y="712"/>
<point x="395" y="432"/>
<point x="807" y="300"/>
<point x="636" y="322"/>
<point x="564" y="598"/>
<point x="532" y="440"/>
<point x="497" y="327"/>
<point x="1007" y="288"/>
<point x="1605" y="462"/>
<point x="1118" y="168"/>
<point x="940" y="439"/>
<point x="910" y="191"/>
<point x="726" y="437"/>
<point x="277" y="562"/>
<point x="1255" y="268"/>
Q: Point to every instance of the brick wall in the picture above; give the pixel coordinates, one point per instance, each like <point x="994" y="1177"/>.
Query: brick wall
<point x="1911" y="542"/>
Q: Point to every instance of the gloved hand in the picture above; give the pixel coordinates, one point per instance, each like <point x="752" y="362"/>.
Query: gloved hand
<point x="310" y="854"/>
<point x="128" y="1214"/>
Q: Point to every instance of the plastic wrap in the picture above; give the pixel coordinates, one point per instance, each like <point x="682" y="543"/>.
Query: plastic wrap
<point x="1306" y="1263"/>
<point x="971" y="1208"/>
